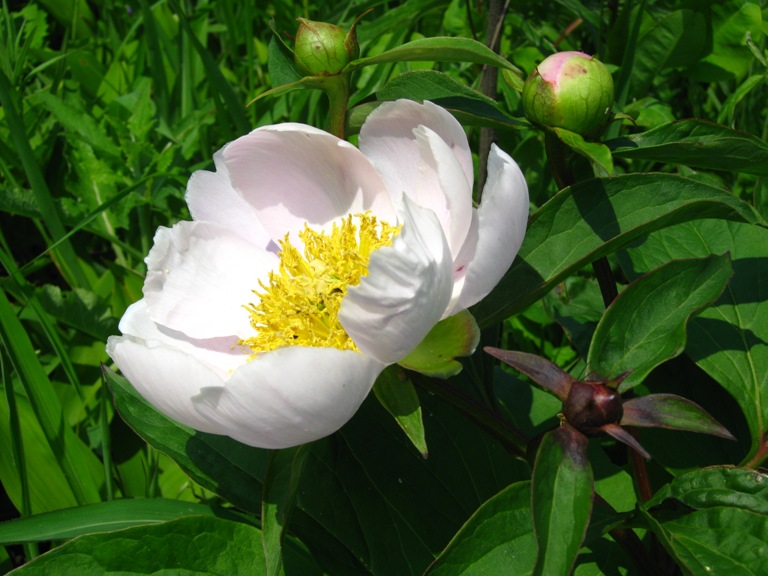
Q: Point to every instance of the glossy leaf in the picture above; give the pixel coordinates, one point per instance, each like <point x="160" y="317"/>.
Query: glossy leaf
<point x="645" y="325"/>
<point x="728" y="339"/>
<point x="438" y="49"/>
<point x="497" y="539"/>
<point x="717" y="486"/>
<point x="595" y="152"/>
<point x="673" y="412"/>
<point x="697" y="143"/>
<point x="562" y="487"/>
<point x="228" y="468"/>
<point x="594" y="218"/>
<point x="102" y="517"/>
<point x="192" y="545"/>
<point x="397" y="395"/>
<point x="451" y="338"/>
<point x="728" y="541"/>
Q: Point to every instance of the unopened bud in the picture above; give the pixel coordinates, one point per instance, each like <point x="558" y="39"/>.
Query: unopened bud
<point x="591" y="405"/>
<point x="323" y="49"/>
<point x="570" y="90"/>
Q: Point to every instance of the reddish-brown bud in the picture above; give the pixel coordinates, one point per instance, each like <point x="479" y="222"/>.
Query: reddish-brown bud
<point x="591" y="405"/>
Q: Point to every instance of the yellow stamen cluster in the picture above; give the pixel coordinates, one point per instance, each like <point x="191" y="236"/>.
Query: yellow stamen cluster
<point x="300" y="304"/>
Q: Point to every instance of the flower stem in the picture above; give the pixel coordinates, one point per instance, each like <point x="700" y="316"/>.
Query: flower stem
<point x="337" y="90"/>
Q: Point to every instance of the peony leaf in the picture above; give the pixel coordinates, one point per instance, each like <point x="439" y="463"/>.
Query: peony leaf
<point x="697" y="143"/>
<point x="645" y="325"/>
<point x="728" y="527"/>
<point x="595" y="218"/>
<point x="190" y="545"/>
<point x="562" y="489"/>
<point x="673" y="412"/>
<point x="728" y="339"/>
<point x="497" y="539"/>
<point x="450" y="338"/>
<point x="396" y="393"/>
<point x="595" y="152"/>
<point x="717" y="486"/>
<point x="438" y="49"/>
<point x="280" y="484"/>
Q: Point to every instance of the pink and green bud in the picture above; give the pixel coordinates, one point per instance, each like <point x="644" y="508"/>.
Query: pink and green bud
<point x="323" y="49"/>
<point x="570" y="90"/>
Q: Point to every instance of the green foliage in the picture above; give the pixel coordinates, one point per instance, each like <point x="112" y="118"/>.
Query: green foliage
<point x="108" y="107"/>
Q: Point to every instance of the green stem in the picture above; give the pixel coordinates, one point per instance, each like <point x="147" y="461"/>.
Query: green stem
<point x="337" y="90"/>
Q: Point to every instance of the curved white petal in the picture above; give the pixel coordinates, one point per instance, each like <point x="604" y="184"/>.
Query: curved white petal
<point x="166" y="377"/>
<point x="443" y="187"/>
<point x="502" y="218"/>
<point x="211" y="198"/>
<point x="290" y="396"/>
<point x="200" y="276"/>
<point x="295" y="174"/>
<point x="387" y="139"/>
<point x="406" y="291"/>
<point x="222" y="354"/>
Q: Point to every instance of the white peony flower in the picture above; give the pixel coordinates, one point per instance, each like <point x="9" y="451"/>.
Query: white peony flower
<point x="309" y="266"/>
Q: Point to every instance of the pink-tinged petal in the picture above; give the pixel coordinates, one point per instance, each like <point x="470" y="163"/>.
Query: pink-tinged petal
<point x="290" y="396"/>
<point x="406" y="291"/>
<point x="387" y="139"/>
<point x="166" y="377"/>
<point x="211" y="198"/>
<point x="443" y="188"/>
<point x="502" y="218"/>
<point x="222" y="354"/>
<point x="295" y="174"/>
<point x="200" y="276"/>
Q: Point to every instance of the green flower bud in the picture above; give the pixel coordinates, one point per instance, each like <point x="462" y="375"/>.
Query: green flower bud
<point x="570" y="90"/>
<point x="324" y="49"/>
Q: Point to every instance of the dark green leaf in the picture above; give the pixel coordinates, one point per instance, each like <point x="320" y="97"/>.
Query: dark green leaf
<point x="673" y="412"/>
<point x="594" y="218"/>
<point x="230" y="469"/>
<point x="79" y="309"/>
<point x="718" y="540"/>
<point x="717" y="486"/>
<point x="101" y="517"/>
<point x="282" y="479"/>
<point x="728" y="339"/>
<point x="191" y="545"/>
<point x="282" y="68"/>
<point x="497" y="539"/>
<point x="697" y="143"/>
<point x="562" y="488"/>
<point x="396" y="393"/>
<point x="645" y="325"/>
<point x="595" y="152"/>
<point x="438" y="49"/>
<point x="451" y="338"/>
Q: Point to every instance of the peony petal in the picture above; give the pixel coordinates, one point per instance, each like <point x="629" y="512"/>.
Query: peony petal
<point x="295" y="174"/>
<point x="290" y="396"/>
<point x="166" y="377"/>
<point x="406" y="291"/>
<point x="387" y="139"/>
<point x="199" y="277"/>
<point x="443" y="188"/>
<point x="211" y="198"/>
<point x="222" y="354"/>
<point x="502" y="218"/>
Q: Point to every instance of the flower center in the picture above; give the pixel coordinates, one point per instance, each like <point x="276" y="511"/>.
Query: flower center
<point x="300" y="304"/>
